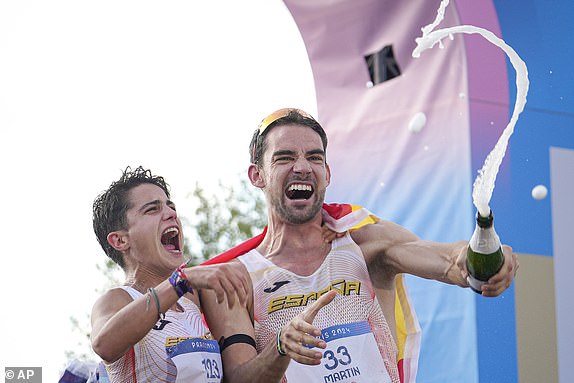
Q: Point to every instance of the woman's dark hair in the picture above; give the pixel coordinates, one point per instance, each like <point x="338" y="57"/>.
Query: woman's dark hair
<point x="111" y="206"/>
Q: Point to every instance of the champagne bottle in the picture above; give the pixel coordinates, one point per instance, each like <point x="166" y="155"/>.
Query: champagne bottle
<point x="484" y="254"/>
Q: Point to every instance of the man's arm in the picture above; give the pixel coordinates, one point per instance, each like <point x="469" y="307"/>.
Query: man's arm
<point x="390" y="249"/>
<point x="241" y="362"/>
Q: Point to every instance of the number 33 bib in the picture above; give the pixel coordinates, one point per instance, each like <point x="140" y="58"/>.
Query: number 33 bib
<point x="351" y="356"/>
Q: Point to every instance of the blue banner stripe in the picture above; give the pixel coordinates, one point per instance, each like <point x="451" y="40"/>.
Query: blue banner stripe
<point x="345" y="330"/>
<point x="193" y="345"/>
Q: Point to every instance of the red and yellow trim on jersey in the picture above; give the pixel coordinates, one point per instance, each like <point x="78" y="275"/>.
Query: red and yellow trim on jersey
<point x="408" y="333"/>
<point x="343" y="217"/>
<point x="340" y="218"/>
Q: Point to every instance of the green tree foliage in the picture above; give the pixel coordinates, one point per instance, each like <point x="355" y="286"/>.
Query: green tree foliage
<point x="224" y="221"/>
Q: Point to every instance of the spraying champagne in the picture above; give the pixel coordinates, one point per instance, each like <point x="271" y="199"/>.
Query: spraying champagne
<point x="484" y="254"/>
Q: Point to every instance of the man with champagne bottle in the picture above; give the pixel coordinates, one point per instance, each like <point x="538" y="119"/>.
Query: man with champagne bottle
<point x="326" y="306"/>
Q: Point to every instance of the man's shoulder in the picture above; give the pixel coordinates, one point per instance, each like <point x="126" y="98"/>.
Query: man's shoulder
<point x="367" y="232"/>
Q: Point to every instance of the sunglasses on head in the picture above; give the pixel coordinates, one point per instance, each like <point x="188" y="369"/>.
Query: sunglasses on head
<point x="277" y="115"/>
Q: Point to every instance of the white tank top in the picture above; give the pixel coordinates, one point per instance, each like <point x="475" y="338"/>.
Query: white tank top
<point x="178" y="348"/>
<point x="353" y="325"/>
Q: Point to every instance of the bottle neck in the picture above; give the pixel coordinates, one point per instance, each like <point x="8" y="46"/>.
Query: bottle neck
<point x="484" y="222"/>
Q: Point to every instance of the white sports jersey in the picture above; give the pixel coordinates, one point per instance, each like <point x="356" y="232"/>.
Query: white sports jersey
<point x="353" y="325"/>
<point x="178" y="348"/>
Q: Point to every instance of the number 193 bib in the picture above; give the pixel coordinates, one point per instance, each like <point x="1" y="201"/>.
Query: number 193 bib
<point x="197" y="360"/>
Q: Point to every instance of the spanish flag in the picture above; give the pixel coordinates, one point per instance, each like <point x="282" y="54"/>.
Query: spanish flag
<point x="340" y="218"/>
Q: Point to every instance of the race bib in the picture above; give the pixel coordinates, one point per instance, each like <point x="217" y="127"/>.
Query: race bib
<point x="351" y="356"/>
<point x="196" y="359"/>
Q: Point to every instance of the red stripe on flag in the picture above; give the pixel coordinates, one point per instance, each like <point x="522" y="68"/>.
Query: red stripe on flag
<point x="337" y="210"/>
<point x="238" y="250"/>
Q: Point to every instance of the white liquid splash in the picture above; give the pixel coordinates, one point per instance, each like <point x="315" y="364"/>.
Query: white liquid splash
<point x="417" y="122"/>
<point x="484" y="182"/>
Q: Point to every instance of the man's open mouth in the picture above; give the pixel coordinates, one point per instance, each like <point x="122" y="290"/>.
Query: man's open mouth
<point x="299" y="191"/>
<point x="170" y="239"/>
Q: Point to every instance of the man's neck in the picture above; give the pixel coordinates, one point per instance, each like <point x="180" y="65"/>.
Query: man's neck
<point x="299" y="248"/>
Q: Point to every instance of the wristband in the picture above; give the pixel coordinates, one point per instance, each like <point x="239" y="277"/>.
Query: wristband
<point x="279" y="348"/>
<point x="179" y="281"/>
<point x="151" y="291"/>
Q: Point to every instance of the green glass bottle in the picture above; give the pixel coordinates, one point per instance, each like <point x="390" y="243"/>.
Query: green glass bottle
<point x="484" y="254"/>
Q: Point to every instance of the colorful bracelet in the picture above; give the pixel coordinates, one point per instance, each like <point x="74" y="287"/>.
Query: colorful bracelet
<point x="279" y="348"/>
<point x="179" y="281"/>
